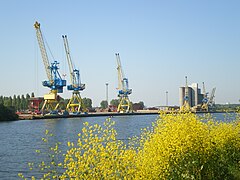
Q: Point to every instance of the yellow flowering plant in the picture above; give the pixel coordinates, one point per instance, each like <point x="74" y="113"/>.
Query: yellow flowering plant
<point x="177" y="146"/>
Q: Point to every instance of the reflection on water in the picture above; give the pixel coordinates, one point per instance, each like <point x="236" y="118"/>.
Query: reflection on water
<point x="20" y="139"/>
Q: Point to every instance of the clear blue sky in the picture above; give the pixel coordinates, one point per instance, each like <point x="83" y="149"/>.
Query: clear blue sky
<point x="160" y="42"/>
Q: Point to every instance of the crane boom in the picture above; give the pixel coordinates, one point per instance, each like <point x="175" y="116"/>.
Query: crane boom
<point x="74" y="73"/>
<point x="43" y="50"/>
<point x="70" y="64"/>
<point x="211" y="101"/>
<point x="120" y="72"/>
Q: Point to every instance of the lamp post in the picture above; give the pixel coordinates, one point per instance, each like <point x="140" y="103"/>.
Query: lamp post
<point x="166" y="98"/>
<point x="107" y="92"/>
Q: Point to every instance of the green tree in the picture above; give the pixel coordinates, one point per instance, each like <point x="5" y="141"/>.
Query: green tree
<point x="14" y="101"/>
<point x="63" y="103"/>
<point x="8" y="101"/>
<point x="115" y="102"/>
<point x="141" y="104"/>
<point x="7" y="114"/>
<point x="18" y="104"/>
<point x="23" y="103"/>
<point x="1" y="100"/>
<point x="32" y="95"/>
<point x="104" y="104"/>
<point x="87" y="102"/>
<point x="27" y="101"/>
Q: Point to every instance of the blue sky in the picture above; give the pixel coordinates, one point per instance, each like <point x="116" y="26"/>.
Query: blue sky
<point x="160" y="42"/>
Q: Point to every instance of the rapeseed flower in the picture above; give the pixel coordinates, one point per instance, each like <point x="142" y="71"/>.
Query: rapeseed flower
<point x="177" y="146"/>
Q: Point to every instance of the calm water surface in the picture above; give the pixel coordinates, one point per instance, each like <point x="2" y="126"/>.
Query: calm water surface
<point x="20" y="139"/>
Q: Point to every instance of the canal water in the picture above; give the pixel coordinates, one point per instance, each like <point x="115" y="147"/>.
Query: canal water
<point x="20" y="139"/>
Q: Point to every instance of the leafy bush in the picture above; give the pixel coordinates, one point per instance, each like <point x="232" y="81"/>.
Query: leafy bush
<point x="7" y="113"/>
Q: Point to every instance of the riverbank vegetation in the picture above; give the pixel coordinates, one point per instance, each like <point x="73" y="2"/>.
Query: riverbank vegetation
<point x="17" y="102"/>
<point x="7" y="113"/>
<point x="177" y="146"/>
<point x="227" y="107"/>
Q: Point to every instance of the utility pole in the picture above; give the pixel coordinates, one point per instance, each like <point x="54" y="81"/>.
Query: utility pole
<point x="107" y="92"/>
<point x="166" y="98"/>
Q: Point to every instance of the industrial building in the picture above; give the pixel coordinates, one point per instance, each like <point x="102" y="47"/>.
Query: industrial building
<point x="194" y="94"/>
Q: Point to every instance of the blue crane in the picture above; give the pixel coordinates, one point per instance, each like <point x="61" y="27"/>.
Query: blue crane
<point x="75" y="103"/>
<point x="123" y="89"/>
<point x="207" y="102"/>
<point x="54" y="82"/>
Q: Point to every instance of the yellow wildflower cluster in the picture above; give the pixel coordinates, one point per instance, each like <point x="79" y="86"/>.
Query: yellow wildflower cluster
<point x="97" y="154"/>
<point x="181" y="146"/>
<point x="177" y="146"/>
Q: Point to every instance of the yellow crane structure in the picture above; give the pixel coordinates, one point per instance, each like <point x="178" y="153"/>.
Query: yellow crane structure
<point x="208" y="102"/>
<point x="54" y="82"/>
<point x="204" y="106"/>
<point x="186" y="106"/>
<point x="75" y="104"/>
<point x="123" y="89"/>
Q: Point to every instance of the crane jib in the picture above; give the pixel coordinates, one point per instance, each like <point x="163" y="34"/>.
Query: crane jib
<point x="54" y="81"/>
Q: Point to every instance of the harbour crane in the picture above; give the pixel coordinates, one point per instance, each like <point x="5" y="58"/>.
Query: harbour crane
<point x="75" y="103"/>
<point x="204" y="106"/>
<point x="54" y="82"/>
<point x="186" y="106"/>
<point x="123" y="89"/>
<point x="211" y="101"/>
<point x="207" y="101"/>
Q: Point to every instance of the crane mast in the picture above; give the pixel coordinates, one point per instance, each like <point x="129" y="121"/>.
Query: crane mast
<point x="123" y="89"/>
<point x="54" y="82"/>
<point x="75" y="103"/>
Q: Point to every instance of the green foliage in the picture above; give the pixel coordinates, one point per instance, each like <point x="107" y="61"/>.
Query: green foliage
<point x="63" y="103"/>
<point x="19" y="103"/>
<point x="87" y="102"/>
<point x="104" y="104"/>
<point x="7" y="113"/>
<point x="115" y="102"/>
<point x="1" y="100"/>
<point x="226" y="107"/>
<point x="7" y="101"/>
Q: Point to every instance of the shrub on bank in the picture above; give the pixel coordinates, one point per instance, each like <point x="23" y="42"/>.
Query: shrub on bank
<point x="7" y="113"/>
<point x="177" y="146"/>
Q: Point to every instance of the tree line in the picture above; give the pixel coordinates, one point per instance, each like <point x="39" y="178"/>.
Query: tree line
<point x="21" y="102"/>
<point x="17" y="102"/>
<point x="115" y="102"/>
